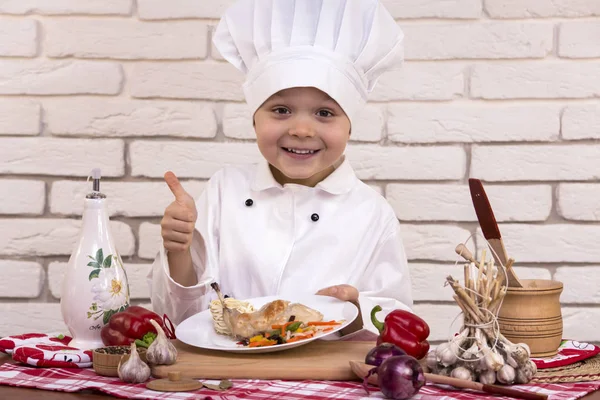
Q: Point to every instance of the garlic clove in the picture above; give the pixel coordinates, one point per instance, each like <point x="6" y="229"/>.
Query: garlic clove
<point x="134" y="370"/>
<point x="161" y="351"/>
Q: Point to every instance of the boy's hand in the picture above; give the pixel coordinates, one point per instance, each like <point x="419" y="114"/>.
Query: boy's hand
<point x="342" y="292"/>
<point x="345" y="293"/>
<point x="177" y="225"/>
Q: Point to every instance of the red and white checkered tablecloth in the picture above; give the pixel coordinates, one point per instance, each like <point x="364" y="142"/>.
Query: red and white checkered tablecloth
<point x="76" y="379"/>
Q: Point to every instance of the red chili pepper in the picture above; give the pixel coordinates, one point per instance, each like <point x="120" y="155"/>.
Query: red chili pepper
<point x="405" y="330"/>
<point x="126" y="326"/>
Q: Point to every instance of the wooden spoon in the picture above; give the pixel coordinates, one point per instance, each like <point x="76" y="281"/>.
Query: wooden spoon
<point x="489" y="227"/>
<point x="465" y="253"/>
<point x="513" y="280"/>
<point x="361" y="370"/>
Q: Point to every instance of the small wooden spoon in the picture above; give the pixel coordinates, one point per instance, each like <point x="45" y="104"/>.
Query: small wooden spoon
<point x="465" y="253"/>
<point x="361" y="370"/>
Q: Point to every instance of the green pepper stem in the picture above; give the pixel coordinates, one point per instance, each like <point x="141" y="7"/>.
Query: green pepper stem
<point x="141" y="343"/>
<point x="378" y="324"/>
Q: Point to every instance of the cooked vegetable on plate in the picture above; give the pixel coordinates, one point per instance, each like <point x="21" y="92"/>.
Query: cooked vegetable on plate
<point x="277" y="322"/>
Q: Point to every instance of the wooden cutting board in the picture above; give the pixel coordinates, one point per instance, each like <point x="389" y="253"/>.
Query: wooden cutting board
<point x="326" y="360"/>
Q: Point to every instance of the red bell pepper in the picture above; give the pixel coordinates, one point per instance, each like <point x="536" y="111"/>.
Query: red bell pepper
<point x="405" y="330"/>
<point x="133" y="323"/>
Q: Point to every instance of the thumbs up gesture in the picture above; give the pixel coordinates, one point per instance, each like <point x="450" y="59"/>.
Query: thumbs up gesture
<point x="177" y="225"/>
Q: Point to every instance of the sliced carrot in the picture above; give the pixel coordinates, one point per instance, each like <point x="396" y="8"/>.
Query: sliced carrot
<point x="300" y="337"/>
<point x="323" y="323"/>
<point x="263" y="343"/>
<point x="327" y="329"/>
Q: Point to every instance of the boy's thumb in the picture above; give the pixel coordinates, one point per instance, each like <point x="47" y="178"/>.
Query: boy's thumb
<point x="176" y="188"/>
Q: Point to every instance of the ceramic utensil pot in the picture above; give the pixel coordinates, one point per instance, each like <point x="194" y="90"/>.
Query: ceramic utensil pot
<point x="95" y="284"/>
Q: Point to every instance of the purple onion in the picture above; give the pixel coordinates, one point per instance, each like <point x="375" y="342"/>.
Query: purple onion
<point x="398" y="377"/>
<point x="379" y="354"/>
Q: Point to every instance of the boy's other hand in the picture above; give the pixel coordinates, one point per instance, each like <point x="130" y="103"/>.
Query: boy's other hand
<point x="177" y="225"/>
<point x="342" y="292"/>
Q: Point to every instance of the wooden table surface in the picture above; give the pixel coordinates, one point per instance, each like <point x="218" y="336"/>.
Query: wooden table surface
<point x="14" y="393"/>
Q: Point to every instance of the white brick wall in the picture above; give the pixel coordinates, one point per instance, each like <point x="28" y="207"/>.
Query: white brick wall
<point x="124" y="118"/>
<point x="67" y="7"/>
<point x="503" y="90"/>
<point x="20" y="117"/>
<point x="125" y="39"/>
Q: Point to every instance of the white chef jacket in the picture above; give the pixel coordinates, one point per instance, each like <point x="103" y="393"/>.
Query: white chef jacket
<point x="258" y="238"/>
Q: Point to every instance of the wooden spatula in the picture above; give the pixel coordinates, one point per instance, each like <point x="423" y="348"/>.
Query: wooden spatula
<point x="490" y="229"/>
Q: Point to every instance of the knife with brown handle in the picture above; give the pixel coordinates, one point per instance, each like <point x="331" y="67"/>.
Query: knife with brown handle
<point x="490" y="229"/>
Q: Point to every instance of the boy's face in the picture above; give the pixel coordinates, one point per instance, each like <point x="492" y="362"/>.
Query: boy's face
<point x="301" y="132"/>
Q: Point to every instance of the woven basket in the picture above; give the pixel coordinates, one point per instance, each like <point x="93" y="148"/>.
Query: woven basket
<point x="106" y="364"/>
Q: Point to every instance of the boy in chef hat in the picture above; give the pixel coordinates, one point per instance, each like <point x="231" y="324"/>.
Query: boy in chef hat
<point x="300" y="221"/>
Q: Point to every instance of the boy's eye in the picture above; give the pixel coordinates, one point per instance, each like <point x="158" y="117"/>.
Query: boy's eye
<point x="281" y="110"/>
<point x="324" y="113"/>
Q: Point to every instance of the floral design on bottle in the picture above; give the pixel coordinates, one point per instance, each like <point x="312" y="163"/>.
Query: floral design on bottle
<point x="111" y="290"/>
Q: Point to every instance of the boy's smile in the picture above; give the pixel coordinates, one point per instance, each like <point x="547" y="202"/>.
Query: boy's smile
<point x="302" y="133"/>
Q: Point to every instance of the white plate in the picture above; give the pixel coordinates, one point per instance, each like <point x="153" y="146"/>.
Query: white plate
<point x="198" y="330"/>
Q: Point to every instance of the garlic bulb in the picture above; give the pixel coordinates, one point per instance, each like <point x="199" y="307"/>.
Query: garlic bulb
<point x="511" y="361"/>
<point x="520" y="353"/>
<point x="526" y="373"/>
<point x="472" y="353"/>
<point x="487" y="377"/>
<point x="506" y="375"/>
<point x="526" y="347"/>
<point x="161" y="351"/>
<point x="482" y="365"/>
<point x="462" y="373"/>
<point x="134" y="370"/>
<point x="431" y="360"/>
<point x="493" y="360"/>
<point x="445" y="355"/>
<point x="533" y="367"/>
<point x="521" y="376"/>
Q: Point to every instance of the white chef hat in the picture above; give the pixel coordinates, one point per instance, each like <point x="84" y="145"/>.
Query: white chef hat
<point x="338" y="46"/>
